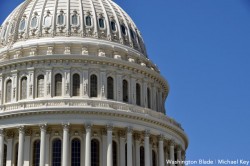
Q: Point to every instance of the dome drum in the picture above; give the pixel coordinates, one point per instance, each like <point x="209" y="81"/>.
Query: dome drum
<point x="77" y="88"/>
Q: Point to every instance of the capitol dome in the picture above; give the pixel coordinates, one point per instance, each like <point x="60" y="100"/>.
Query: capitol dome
<point x="77" y="88"/>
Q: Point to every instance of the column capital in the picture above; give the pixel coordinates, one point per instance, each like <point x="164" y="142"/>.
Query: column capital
<point x="147" y="133"/>
<point x="109" y="127"/>
<point x="66" y="126"/>
<point x="129" y="130"/>
<point x="2" y="132"/>
<point x="88" y="126"/>
<point x="43" y="127"/>
<point x="21" y="130"/>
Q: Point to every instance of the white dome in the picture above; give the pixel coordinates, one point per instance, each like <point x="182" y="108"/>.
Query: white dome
<point x="82" y="19"/>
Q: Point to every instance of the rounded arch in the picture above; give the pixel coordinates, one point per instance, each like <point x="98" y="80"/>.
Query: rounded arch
<point x="138" y="94"/>
<point x="125" y="90"/>
<point x="8" y="90"/>
<point x="23" y="88"/>
<point x="58" y="84"/>
<point x="76" y="84"/>
<point x="40" y="86"/>
<point x="110" y="88"/>
<point x="93" y="85"/>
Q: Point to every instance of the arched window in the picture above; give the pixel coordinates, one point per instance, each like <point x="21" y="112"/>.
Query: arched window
<point x="95" y="147"/>
<point x="115" y="153"/>
<point x="60" y="18"/>
<point x="16" y="154"/>
<point x="138" y="94"/>
<point x="22" y="25"/>
<point x="75" y="152"/>
<point x="33" y="22"/>
<point x="23" y="90"/>
<point x="40" y="86"/>
<point x="36" y="153"/>
<point x="58" y="85"/>
<point x="123" y="30"/>
<point x="75" y="19"/>
<point x="88" y="21"/>
<point x="101" y="22"/>
<point x="4" y="32"/>
<point x="125" y="90"/>
<point x="110" y="88"/>
<point x="47" y="21"/>
<point x="142" y="156"/>
<point x="5" y="155"/>
<point x="93" y="86"/>
<point x="56" y="152"/>
<point x="8" y="91"/>
<point x="76" y="85"/>
<point x="154" y="160"/>
<point x="113" y="26"/>
<point x="149" y="98"/>
<point x="132" y="34"/>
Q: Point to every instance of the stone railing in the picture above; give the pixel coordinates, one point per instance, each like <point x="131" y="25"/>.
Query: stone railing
<point x="86" y="103"/>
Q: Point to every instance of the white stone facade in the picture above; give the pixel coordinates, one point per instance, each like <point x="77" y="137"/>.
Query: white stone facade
<point x="77" y="88"/>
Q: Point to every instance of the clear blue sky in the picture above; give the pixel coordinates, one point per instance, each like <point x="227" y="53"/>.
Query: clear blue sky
<point x="202" y="48"/>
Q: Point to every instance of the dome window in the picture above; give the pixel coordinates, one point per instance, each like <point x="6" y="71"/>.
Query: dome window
<point x="76" y="85"/>
<point x="88" y="21"/>
<point x="124" y="32"/>
<point x="22" y="25"/>
<point x="33" y="22"/>
<point x="4" y="32"/>
<point x="110" y="88"/>
<point x="75" y="152"/>
<point x="60" y="18"/>
<point x="101" y="23"/>
<point x="113" y="26"/>
<point x="11" y="28"/>
<point x="24" y="88"/>
<point x="8" y="91"/>
<point x="58" y="85"/>
<point x="75" y="19"/>
<point x="36" y="152"/>
<point x="40" y="86"/>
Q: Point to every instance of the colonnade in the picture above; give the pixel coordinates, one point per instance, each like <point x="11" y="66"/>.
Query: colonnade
<point x="166" y="149"/>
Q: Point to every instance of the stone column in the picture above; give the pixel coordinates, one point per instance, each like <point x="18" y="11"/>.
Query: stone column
<point x="43" y="129"/>
<point x="137" y="149"/>
<point x="27" y="143"/>
<point x="161" y="151"/>
<point x="10" y="136"/>
<point x="65" y="155"/>
<point x="179" y="155"/>
<point x="183" y="157"/>
<point x="119" y="88"/>
<point x="1" y="146"/>
<point x="132" y="94"/>
<point x="30" y="91"/>
<point x="21" y="146"/>
<point x="122" y="148"/>
<point x="109" y="145"/>
<point x="171" y="151"/>
<point x="147" y="149"/>
<point x="88" y="146"/>
<point x="47" y="148"/>
<point x="48" y="83"/>
<point x="104" y="147"/>
<point x="129" y="147"/>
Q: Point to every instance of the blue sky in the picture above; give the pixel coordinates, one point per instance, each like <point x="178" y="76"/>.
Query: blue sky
<point x="202" y="49"/>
